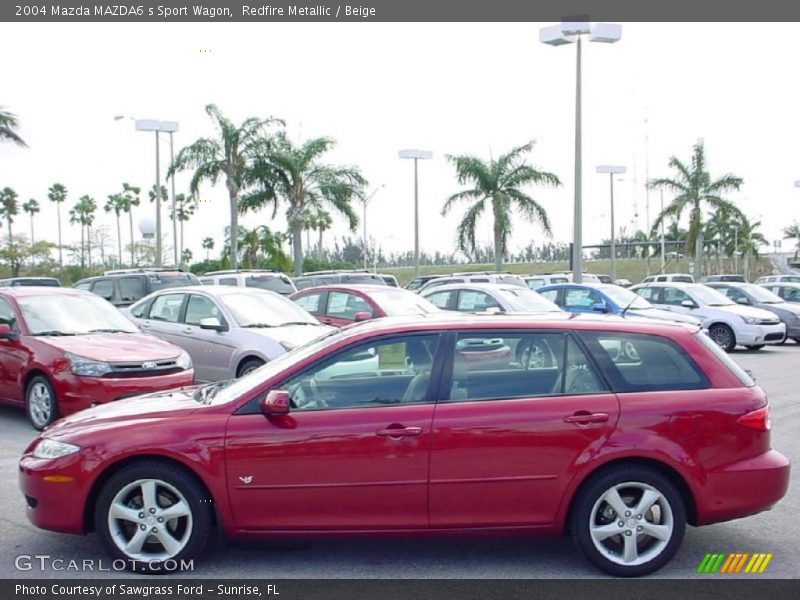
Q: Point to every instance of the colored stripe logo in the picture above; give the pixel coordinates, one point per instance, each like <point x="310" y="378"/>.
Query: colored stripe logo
<point x="736" y="562"/>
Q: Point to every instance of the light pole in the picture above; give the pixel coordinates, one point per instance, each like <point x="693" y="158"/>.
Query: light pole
<point x="663" y="241"/>
<point x="366" y="199"/>
<point x="558" y="35"/>
<point x="158" y="127"/>
<point x="417" y="155"/>
<point x="797" y="251"/>
<point x="611" y="170"/>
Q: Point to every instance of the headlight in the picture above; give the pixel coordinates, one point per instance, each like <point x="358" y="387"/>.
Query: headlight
<point x="750" y="320"/>
<point x="86" y="367"/>
<point x="48" y="448"/>
<point x="184" y="361"/>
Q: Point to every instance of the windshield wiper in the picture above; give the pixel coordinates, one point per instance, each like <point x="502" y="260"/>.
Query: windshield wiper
<point x="109" y="330"/>
<point x="258" y="325"/>
<point x="204" y="394"/>
<point x="54" y="333"/>
<point x="298" y="323"/>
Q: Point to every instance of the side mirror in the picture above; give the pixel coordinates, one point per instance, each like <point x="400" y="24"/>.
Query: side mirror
<point x="6" y="333"/>
<point x="688" y="304"/>
<point x="276" y="402"/>
<point x="494" y="310"/>
<point x="742" y="301"/>
<point x="599" y="307"/>
<point x="362" y="316"/>
<point x="212" y="323"/>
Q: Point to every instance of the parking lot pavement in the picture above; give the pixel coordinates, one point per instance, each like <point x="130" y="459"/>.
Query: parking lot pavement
<point x="776" y="369"/>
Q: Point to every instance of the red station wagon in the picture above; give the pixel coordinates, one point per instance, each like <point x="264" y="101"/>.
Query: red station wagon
<point x="616" y="431"/>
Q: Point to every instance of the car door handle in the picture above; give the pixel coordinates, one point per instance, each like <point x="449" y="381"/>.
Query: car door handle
<point x="399" y="432"/>
<point x="325" y="320"/>
<point x="585" y="417"/>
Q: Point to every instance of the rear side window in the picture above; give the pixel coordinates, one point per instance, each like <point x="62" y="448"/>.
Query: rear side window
<point x="104" y="288"/>
<point x="160" y="281"/>
<point x="227" y="281"/>
<point x="272" y="283"/>
<point x="682" y="279"/>
<point x="634" y="362"/>
<point x="131" y="288"/>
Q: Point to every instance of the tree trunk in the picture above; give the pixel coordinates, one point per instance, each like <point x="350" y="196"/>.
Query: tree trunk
<point x="180" y="250"/>
<point x="498" y="239"/>
<point x="83" y="248"/>
<point x="33" y="259"/>
<point x="319" y="245"/>
<point x="89" y="246"/>
<point x="133" y="258"/>
<point x="119" y="242"/>
<point x="60" y="261"/>
<point x="233" y="193"/>
<point x="297" y="246"/>
<point x="698" y="254"/>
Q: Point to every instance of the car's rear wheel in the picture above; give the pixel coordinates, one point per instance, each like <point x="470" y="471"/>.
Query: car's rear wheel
<point x="40" y="402"/>
<point x="248" y="366"/>
<point x="756" y="347"/>
<point x="629" y="521"/>
<point x="723" y="336"/>
<point x="153" y="516"/>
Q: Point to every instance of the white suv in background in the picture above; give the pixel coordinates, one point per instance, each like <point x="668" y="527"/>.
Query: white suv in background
<point x="262" y="280"/>
<point x="474" y="277"/>
<point x="669" y="277"/>
<point x="534" y="282"/>
<point x="729" y="324"/>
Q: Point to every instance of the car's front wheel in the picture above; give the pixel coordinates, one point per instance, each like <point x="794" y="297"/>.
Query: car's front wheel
<point x="629" y="521"/>
<point x="154" y="516"/>
<point x="723" y="336"/>
<point x="756" y="347"/>
<point x="40" y="402"/>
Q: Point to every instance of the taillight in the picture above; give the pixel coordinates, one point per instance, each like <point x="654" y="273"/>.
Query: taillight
<point x="756" y="419"/>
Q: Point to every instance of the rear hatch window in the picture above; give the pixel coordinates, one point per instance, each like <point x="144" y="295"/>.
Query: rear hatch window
<point x="742" y="375"/>
<point x="273" y="283"/>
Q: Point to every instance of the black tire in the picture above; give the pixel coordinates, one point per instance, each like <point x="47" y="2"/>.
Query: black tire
<point x="41" y="404"/>
<point x="756" y="347"/>
<point x="796" y="340"/>
<point x="251" y="364"/>
<point x="173" y="484"/>
<point x="591" y="509"/>
<point x="723" y="336"/>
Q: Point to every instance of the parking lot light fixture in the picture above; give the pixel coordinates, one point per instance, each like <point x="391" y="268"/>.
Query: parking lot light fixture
<point x="558" y="35"/>
<point x="612" y="170"/>
<point x="416" y="155"/>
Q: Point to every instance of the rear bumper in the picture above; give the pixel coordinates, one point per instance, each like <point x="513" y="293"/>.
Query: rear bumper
<point x="743" y="488"/>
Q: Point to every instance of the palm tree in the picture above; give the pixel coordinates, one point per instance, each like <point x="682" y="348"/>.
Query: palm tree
<point x="323" y="222"/>
<point x="748" y="240"/>
<point x="694" y="187"/>
<point x="497" y="184"/>
<point x="58" y="194"/>
<point x="228" y="155"/>
<point x="31" y="207"/>
<point x="793" y="231"/>
<point x="83" y="214"/>
<point x="186" y="256"/>
<point x="116" y="204"/>
<point x="9" y="208"/>
<point x="283" y="171"/>
<point x="185" y="205"/>
<point x="8" y="123"/>
<point x="208" y="246"/>
<point x="130" y="198"/>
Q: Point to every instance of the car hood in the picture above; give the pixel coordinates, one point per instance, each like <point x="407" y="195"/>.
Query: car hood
<point x="157" y="405"/>
<point x="748" y="311"/>
<point x="783" y="306"/>
<point x="296" y="335"/>
<point x="114" y="347"/>
<point x="663" y="315"/>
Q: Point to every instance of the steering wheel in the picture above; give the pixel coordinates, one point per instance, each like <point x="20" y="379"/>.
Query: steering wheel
<point x="533" y="355"/>
<point x="308" y="395"/>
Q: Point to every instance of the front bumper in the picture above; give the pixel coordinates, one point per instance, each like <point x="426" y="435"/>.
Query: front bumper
<point x="755" y="335"/>
<point x="743" y="488"/>
<point x="76" y="393"/>
<point x="55" y="491"/>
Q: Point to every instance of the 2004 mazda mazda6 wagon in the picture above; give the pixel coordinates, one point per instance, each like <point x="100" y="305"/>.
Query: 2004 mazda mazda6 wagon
<point x="618" y="431"/>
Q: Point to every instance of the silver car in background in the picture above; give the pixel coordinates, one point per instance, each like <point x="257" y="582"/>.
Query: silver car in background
<point x="488" y="297"/>
<point x="228" y="331"/>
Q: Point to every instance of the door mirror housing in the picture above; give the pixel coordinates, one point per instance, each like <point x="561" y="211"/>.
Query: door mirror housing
<point x="6" y="333"/>
<point x="742" y="301"/>
<point x="276" y="402"/>
<point x="599" y="307"/>
<point x="212" y="323"/>
<point x="688" y="304"/>
<point x="362" y="316"/>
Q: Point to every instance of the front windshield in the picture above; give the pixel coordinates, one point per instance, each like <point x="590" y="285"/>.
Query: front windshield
<point x="762" y="295"/>
<point x="396" y="302"/>
<point x="235" y="388"/>
<point x="707" y="296"/>
<point x="68" y="314"/>
<point x="264" y="309"/>
<point x="626" y="298"/>
<point x="526" y="300"/>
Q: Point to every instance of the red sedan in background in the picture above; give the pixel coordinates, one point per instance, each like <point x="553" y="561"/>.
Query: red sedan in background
<point x="341" y="305"/>
<point x="394" y="427"/>
<point x="63" y="350"/>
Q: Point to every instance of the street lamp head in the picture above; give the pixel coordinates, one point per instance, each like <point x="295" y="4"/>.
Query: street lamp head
<point x="605" y="32"/>
<point x="153" y="125"/>
<point x="553" y="36"/>
<point x="614" y="170"/>
<point x="797" y="183"/>
<point x="576" y="27"/>
<point x="421" y="154"/>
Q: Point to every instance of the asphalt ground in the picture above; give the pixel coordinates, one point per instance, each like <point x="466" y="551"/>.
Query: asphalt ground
<point x="777" y="531"/>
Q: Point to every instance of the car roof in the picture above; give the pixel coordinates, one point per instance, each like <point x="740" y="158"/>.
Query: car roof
<point x="42" y="290"/>
<point x="365" y="288"/>
<point x="550" y="320"/>
<point x="589" y="286"/>
<point x="213" y="290"/>
<point x="735" y="284"/>
<point x="792" y="284"/>
<point x="481" y="285"/>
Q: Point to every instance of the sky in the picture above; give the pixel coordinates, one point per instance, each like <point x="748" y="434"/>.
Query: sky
<point x="376" y="88"/>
